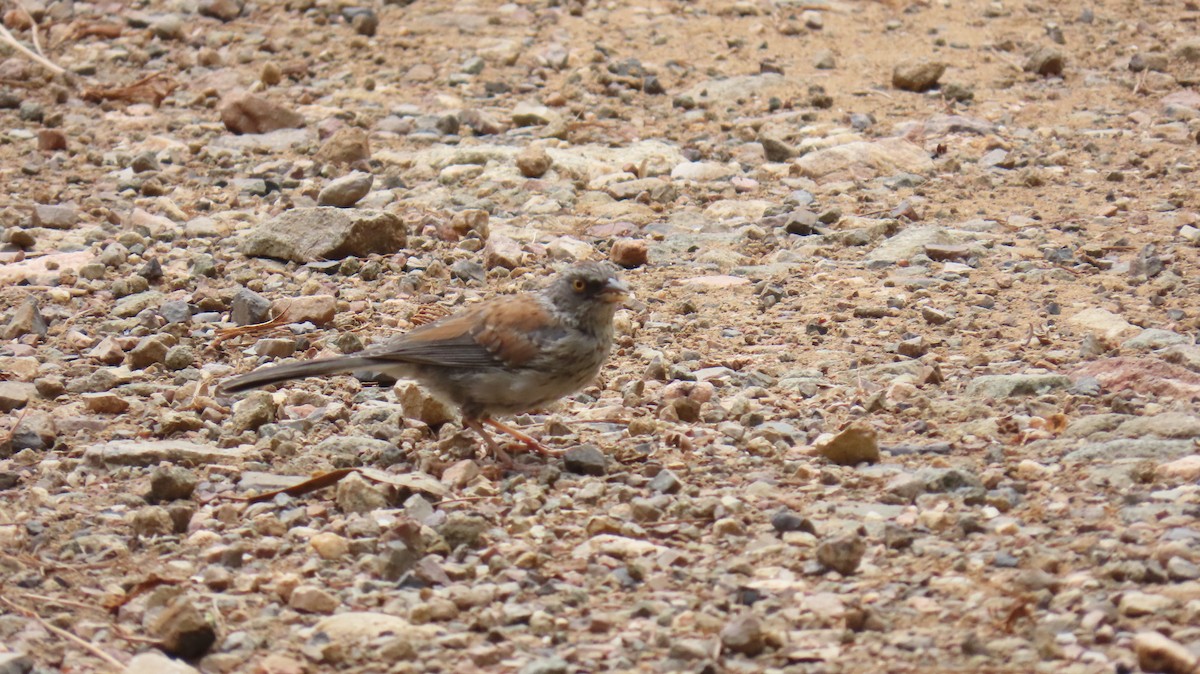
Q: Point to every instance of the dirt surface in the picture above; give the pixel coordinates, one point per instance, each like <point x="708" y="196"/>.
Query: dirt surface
<point x="909" y="382"/>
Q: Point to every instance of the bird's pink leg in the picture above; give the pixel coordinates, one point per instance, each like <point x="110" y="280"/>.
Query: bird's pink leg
<point x="493" y="446"/>
<point x="524" y="439"/>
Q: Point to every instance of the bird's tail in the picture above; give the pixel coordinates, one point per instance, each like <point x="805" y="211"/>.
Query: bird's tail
<point x="312" y="368"/>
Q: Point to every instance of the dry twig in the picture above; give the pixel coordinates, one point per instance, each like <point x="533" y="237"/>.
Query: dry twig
<point x="464" y="499"/>
<point x="150" y="89"/>
<point x="120" y="634"/>
<point x="686" y="520"/>
<point x="6" y="36"/>
<point x="229" y="333"/>
<point x="47" y="565"/>
<point x="61" y="602"/>
<point x="33" y="27"/>
<point x="12" y="432"/>
<point x="86" y="645"/>
<point x="1141" y="81"/>
<point x="108" y="31"/>
<point x="114" y="604"/>
<point x="871" y="92"/>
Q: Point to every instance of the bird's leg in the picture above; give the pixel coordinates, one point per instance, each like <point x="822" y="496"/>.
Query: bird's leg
<point x="524" y="439"/>
<point x="493" y="446"/>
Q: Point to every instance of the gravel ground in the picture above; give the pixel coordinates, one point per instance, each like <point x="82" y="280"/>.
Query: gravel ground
<point x="909" y="383"/>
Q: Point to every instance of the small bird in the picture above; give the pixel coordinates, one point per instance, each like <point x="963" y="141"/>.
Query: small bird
<point x="506" y="355"/>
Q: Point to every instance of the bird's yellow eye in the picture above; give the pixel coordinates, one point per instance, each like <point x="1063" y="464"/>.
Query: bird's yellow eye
<point x="578" y="285"/>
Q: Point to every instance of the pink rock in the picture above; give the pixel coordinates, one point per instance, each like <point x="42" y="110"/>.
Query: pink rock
<point x="345" y="146"/>
<point x="317" y="309"/>
<point x="1187" y="98"/>
<point x="502" y="251"/>
<point x="629" y="253"/>
<point x="247" y="113"/>
<point x="105" y="403"/>
<point x="699" y="391"/>
<point x="1144" y="375"/>
<point x="1186" y="469"/>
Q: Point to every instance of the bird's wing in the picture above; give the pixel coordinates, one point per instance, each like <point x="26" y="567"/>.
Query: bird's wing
<point x="504" y="332"/>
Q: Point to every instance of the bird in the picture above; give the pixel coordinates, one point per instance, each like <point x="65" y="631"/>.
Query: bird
<point x="503" y="356"/>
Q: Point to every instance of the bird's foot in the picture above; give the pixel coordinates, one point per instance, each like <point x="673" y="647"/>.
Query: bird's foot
<point x="529" y="441"/>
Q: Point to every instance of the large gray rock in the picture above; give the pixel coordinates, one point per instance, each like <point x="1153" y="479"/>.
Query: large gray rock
<point x="27" y="319"/>
<point x="15" y="663"/>
<point x="132" y="305"/>
<point x="347" y="190"/>
<point x="917" y="75"/>
<point x="249" y="308"/>
<point x="183" y="628"/>
<point x="1046" y="61"/>
<point x="16" y="394"/>
<point x="51" y="216"/>
<point x="309" y="234"/>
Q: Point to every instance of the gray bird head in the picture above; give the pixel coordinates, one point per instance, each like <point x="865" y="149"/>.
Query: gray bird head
<point x="588" y="292"/>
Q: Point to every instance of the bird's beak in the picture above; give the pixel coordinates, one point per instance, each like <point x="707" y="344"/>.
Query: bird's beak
<point x="615" y="291"/>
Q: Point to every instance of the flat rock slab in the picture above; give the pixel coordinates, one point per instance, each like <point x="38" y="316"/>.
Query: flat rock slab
<point x="863" y="160"/>
<point x="275" y="141"/>
<point x="365" y="626"/>
<point x="12" y="273"/>
<point x="1132" y="448"/>
<point x="1169" y="425"/>
<point x="915" y="240"/>
<point x="587" y="160"/>
<point x="149" y="453"/>
<point x="1102" y="323"/>
<point x="253" y="480"/>
<point x="132" y="305"/>
<point x="1006" y="385"/>
<point x="614" y="546"/>
<point x="730" y="89"/>
<point x="326" y="233"/>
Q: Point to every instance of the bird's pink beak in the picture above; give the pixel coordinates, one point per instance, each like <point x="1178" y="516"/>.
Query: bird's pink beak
<point x="615" y="291"/>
